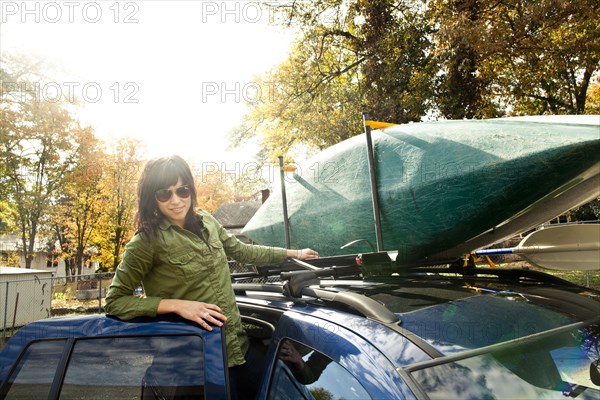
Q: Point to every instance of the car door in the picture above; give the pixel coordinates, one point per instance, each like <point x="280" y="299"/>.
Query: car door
<point x="146" y="366"/>
<point x="315" y="358"/>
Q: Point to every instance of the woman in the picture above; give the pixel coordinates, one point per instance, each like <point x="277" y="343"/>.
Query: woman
<point x="180" y="257"/>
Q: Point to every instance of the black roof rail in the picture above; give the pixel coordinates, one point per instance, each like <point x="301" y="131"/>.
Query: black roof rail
<point x="366" y="306"/>
<point x="362" y="304"/>
<point x="242" y="288"/>
<point x="359" y="303"/>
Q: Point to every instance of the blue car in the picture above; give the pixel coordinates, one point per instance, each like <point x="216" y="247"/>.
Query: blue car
<point x="336" y="332"/>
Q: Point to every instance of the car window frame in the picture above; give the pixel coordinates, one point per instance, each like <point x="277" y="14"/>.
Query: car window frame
<point x="211" y="388"/>
<point x="6" y="385"/>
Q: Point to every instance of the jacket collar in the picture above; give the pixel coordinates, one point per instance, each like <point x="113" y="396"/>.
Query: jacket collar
<point x="166" y="224"/>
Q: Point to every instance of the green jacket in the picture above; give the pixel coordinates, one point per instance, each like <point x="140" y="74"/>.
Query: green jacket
<point x="177" y="264"/>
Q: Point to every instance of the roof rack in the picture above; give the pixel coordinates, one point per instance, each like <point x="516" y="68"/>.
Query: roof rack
<point x="506" y="274"/>
<point x="299" y="276"/>
<point x="364" y="305"/>
<point x="377" y="265"/>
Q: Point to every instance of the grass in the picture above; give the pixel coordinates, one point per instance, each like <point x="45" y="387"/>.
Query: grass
<point x="590" y="279"/>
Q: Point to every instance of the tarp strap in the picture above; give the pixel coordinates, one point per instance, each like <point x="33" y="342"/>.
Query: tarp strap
<point x="475" y="258"/>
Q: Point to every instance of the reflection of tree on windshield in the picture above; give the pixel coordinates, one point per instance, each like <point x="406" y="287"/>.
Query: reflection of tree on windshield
<point x="565" y="358"/>
<point x="305" y="372"/>
<point x="559" y="365"/>
<point x="591" y="346"/>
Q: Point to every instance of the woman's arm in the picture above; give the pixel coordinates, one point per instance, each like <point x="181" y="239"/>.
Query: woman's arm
<point x="136" y="263"/>
<point x="303" y="254"/>
<point x="121" y="302"/>
<point x="255" y="254"/>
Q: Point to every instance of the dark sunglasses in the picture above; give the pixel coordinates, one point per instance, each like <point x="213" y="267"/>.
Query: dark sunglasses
<point x="164" y="195"/>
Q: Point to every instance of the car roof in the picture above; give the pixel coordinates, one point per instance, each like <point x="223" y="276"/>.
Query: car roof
<point x="442" y="315"/>
<point x="95" y="326"/>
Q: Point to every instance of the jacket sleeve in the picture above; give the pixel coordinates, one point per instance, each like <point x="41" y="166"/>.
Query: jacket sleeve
<point x="242" y="252"/>
<point x="121" y="300"/>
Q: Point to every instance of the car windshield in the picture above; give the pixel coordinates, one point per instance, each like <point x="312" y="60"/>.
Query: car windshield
<point x="480" y="321"/>
<point x="560" y="363"/>
<point x="456" y="315"/>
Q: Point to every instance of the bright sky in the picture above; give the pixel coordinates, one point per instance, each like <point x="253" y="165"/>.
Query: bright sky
<point x="174" y="73"/>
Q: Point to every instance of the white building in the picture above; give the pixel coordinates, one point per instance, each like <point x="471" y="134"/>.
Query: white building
<point x="10" y="245"/>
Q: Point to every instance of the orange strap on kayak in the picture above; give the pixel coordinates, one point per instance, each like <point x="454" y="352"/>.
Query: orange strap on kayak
<point x="489" y="261"/>
<point x="475" y="258"/>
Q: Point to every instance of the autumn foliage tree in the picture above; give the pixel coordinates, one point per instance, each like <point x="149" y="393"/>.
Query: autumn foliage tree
<point x="351" y="56"/>
<point x="58" y="179"/>
<point x="122" y="167"/>
<point x="213" y="186"/>
<point x="80" y="206"/>
<point x="39" y="152"/>
<point x="406" y="60"/>
<point x="516" y="56"/>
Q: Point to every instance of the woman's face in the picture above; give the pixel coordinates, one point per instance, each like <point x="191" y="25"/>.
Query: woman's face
<point x="175" y="208"/>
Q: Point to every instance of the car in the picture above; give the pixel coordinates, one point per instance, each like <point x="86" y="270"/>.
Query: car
<point x="351" y="327"/>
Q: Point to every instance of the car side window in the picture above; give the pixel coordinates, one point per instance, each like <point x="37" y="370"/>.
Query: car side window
<point x="301" y="372"/>
<point x="169" y="367"/>
<point x="151" y="367"/>
<point x="33" y="376"/>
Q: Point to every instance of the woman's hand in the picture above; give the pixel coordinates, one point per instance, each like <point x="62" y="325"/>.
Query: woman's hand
<point x="304" y="254"/>
<point x="202" y="313"/>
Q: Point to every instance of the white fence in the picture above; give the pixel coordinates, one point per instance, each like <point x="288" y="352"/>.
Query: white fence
<point x="28" y="299"/>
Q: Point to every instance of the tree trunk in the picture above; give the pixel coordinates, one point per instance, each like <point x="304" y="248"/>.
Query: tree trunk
<point x="116" y="260"/>
<point x="582" y="92"/>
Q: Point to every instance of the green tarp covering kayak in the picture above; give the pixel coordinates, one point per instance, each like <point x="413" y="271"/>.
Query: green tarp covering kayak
<point x="445" y="187"/>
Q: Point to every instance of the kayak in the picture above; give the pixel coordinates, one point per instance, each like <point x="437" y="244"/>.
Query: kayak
<point x="445" y="188"/>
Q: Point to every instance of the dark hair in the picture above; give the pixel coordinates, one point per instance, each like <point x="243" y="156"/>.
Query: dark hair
<point x="161" y="173"/>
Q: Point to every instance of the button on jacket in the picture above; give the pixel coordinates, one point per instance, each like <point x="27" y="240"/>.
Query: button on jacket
<point x="177" y="264"/>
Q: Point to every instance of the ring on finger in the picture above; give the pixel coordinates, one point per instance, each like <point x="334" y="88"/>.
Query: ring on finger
<point x="205" y="315"/>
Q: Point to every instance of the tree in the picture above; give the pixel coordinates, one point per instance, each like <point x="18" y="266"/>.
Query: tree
<point x="593" y="98"/>
<point x="405" y="60"/>
<point x="37" y="144"/>
<point x="81" y="207"/>
<point x="39" y="151"/>
<point x="587" y="212"/>
<point x="54" y="176"/>
<point x="216" y="187"/>
<point x="320" y="393"/>
<point x="398" y="67"/>
<point x="122" y="167"/>
<point x="462" y="91"/>
<point x="352" y="56"/>
<point x="516" y="56"/>
<point x="9" y="119"/>
<point x="213" y="187"/>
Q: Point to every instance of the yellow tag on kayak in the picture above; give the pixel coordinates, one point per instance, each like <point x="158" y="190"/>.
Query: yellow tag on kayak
<point x="378" y="124"/>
